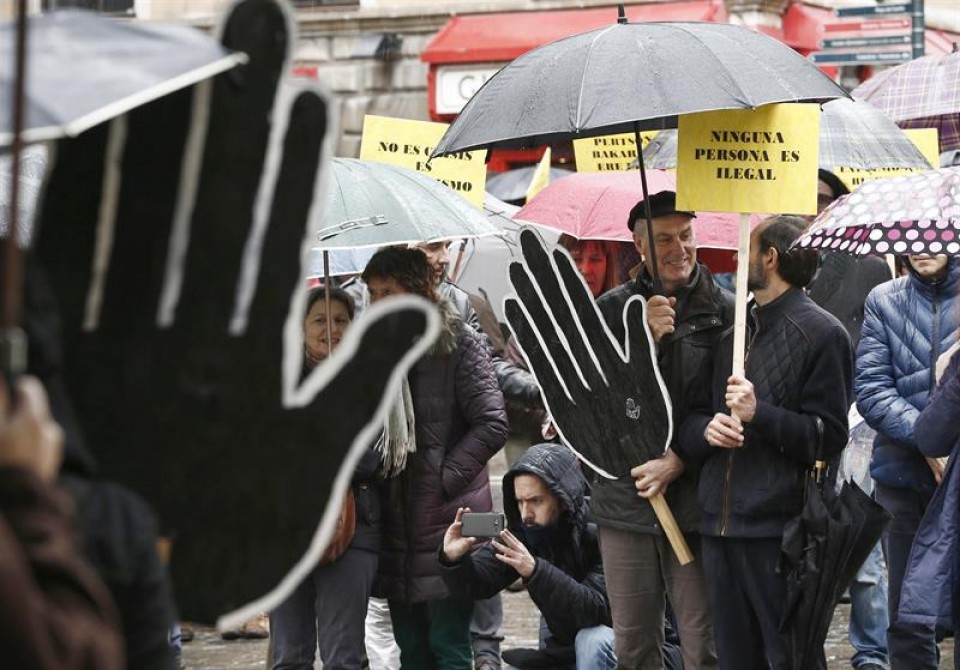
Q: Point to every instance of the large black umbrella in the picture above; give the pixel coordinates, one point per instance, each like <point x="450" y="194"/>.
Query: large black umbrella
<point x="821" y="551"/>
<point x="630" y="77"/>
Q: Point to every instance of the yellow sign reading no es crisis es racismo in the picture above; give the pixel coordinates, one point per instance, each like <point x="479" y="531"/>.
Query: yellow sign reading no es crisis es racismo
<point x="762" y="160"/>
<point x="408" y="143"/>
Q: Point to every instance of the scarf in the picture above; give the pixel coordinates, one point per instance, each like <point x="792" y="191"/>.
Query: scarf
<point x="399" y="437"/>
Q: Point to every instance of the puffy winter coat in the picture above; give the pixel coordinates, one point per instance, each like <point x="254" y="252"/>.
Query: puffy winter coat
<point x="704" y="312"/>
<point x="460" y="425"/>
<point x="908" y="323"/>
<point x="567" y="583"/>
<point x="930" y="590"/>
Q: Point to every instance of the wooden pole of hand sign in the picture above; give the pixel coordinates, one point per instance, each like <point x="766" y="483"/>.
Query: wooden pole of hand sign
<point x="670" y="528"/>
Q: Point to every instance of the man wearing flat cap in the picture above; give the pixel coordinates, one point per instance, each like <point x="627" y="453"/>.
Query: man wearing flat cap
<point x="686" y="313"/>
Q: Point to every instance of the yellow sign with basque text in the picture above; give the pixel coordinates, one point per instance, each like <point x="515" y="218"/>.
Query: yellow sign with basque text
<point x="609" y="153"/>
<point x="408" y="143"/>
<point x="926" y="139"/>
<point x="742" y="160"/>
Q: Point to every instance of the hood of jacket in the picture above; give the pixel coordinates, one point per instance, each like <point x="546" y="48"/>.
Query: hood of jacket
<point x="558" y="468"/>
<point x="450" y="325"/>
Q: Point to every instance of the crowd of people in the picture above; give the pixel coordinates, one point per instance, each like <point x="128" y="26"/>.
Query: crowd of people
<point x="409" y="589"/>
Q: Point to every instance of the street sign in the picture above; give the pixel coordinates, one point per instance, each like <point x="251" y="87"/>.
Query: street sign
<point x="850" y="42"/>
<point x="858" y="58"/>
<point x="875" y="10"/>
<point x="869" y="26"/>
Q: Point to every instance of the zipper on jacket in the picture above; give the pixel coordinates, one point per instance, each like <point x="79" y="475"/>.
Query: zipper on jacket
<point x="935" y="340"/>
<point x="728" y="471"/>
<point x="727" y="476"/>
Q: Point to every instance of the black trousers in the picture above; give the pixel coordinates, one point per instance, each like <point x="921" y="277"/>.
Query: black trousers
<point x="747" y="596"/>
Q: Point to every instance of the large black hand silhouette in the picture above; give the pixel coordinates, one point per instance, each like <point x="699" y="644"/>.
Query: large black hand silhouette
<point x="181" y="318"/>
<point x="607" y="398"/>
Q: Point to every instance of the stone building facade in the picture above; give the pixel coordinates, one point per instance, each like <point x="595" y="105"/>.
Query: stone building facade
<point x="367" y="52"/>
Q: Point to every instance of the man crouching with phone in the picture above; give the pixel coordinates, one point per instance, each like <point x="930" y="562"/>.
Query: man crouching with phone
<point x="549" y="544"/>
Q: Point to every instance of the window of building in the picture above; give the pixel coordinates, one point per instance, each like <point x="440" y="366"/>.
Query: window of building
<point x="306" y="4"/>
<point x="121" y="7"/>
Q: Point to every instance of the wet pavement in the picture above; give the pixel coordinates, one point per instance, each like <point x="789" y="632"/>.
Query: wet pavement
<point x="208" y="652"/>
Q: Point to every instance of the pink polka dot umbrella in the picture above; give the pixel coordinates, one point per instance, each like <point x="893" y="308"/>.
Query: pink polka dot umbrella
<point x="914" y="214"/>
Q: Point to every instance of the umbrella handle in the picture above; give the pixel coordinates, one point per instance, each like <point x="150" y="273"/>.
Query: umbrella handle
<point x="647" y="215"/>
<point x="671" y="529"/>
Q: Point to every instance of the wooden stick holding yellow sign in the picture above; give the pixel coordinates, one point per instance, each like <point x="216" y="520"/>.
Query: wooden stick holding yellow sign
<point x="748" y="161"/>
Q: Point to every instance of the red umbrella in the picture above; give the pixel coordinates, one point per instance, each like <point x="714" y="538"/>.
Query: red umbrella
<point x="595" y="205"/>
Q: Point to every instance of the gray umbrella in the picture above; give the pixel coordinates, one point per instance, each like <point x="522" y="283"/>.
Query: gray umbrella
<point x="632" y="76"/>
<point x="853" y="134"/>
<point x="33" y="167"/>
<point x="84" y="69"/>
<point x="373" y="204"/>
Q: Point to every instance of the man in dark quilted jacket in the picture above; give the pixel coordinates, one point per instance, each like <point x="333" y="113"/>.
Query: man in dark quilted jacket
<point x="756" y="435"/>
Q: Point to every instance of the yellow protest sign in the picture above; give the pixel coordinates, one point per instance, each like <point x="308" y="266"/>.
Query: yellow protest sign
<point x="926" y="139"/>
<point x="409" y="143"/>
<point x="742" y="160"/>
<point x="541" y="176"/>
<point x="609" y="153"/>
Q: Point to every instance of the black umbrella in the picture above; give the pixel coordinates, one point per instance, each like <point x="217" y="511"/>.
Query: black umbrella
<point x="821" y="551"/>
<point x="630" y="77"/>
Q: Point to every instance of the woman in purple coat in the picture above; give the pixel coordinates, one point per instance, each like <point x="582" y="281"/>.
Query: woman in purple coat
<point x="446" y="423"/>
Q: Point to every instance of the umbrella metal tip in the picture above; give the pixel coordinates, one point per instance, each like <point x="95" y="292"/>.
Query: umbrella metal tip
<point x="621" y="13"/>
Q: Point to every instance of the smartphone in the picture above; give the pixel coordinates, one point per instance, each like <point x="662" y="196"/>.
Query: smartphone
<point x="482" y="524"/>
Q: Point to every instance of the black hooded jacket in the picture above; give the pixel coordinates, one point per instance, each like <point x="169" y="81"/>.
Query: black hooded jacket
<point x="567" y="583"/>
